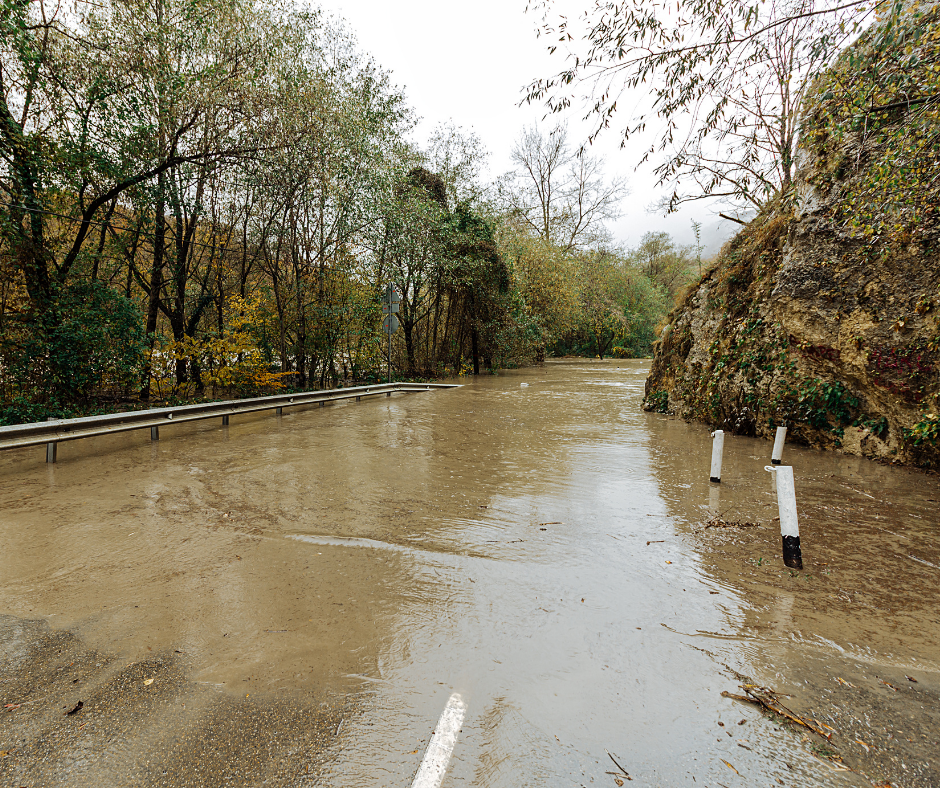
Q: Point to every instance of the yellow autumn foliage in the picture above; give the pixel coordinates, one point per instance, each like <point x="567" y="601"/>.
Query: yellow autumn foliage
<point x="231" y="361"/>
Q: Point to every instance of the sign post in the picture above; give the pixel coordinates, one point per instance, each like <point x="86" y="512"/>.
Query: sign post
<point x="391" y="303"/>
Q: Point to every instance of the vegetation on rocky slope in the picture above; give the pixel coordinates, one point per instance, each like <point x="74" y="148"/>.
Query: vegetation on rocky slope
<point x="823" y="312"/>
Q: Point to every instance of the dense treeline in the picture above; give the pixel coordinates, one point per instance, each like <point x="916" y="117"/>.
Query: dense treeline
<point x="203" y="197"/>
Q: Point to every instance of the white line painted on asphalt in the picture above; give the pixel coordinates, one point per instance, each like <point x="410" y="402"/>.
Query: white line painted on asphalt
<point x="431" y="772"/>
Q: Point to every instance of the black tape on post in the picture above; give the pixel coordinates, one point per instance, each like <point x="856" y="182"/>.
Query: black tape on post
<point x="792" y="556"/>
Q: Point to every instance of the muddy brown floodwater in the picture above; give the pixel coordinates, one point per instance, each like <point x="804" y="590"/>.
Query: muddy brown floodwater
<point x="292" y="600"/>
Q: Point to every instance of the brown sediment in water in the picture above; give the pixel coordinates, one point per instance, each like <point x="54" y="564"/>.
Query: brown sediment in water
<point x="144" y="722"/>
<point x="375" y="557"/>
<point x="853" y="639"/>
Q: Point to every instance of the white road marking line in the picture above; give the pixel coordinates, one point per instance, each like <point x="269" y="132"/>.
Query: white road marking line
<point x="431" y="772"/>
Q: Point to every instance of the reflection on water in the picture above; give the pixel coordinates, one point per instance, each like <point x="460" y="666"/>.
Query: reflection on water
<point x="521" y="545"/>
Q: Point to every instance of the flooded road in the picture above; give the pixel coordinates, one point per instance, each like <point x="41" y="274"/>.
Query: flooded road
<point x="532" y="541"/>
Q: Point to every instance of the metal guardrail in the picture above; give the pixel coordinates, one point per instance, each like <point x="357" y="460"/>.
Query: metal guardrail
<point x="52" y="432"/>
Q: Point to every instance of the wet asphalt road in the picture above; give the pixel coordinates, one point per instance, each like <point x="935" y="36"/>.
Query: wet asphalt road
<point x="308" y="591"/>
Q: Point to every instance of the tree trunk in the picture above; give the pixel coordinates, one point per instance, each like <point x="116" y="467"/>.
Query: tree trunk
<point x="474" y="339"/>
<point x="156" y="281"/>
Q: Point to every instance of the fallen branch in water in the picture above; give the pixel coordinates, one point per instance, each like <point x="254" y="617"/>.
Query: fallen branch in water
<point x="622" y="770"/>
<point x="769" y="700"/>
<point x="717" y="522"/>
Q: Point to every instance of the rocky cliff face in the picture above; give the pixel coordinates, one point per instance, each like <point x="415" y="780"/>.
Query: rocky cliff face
<point x="823" y="312"/>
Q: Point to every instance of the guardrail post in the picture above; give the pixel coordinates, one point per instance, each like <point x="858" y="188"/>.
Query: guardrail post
<point x="225" y="421"/>
<point x="279" y="411"/>
<point x="52" y="449"/>
<point x="154" y="433"/>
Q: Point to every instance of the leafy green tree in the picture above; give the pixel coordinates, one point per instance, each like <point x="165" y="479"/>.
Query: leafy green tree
<point x="94" y="345"/>
<point x="414" y="250"/>
<point x="546" y="280"/>
<point x="619" y="307"/>
<point x="479" y="282"/>
<point x="665" y="264"/>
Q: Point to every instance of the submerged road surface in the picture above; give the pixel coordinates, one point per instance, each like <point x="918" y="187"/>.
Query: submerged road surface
<point x="521" y="562"/>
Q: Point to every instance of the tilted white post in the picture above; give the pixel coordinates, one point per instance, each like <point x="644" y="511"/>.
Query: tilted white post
<point x="789" y="523"/>
<point x="779" y="440"/>
<point x="718" y="446"/>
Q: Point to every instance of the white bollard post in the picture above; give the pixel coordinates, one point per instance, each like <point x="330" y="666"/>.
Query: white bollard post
<point x="779" y="440"/>
<point x="789" y="523"/>
<point x="718" y="446"/>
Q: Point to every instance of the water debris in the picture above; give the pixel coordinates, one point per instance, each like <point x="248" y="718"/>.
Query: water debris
<point x="730" y="766"/>
<point x="844" y="683"/>
<point x="858" y="491"/>
<point x="148" y="682"/>
<point x="888" y="684"/>
<point x="654" y="541"/>
<point x="770" y="701"/>
<point x="556" y="522"/>
<point x="623" y="771"/>
<point x="718" y="522"/>
<point x="911" y="678"/>
<point x="76" y="708"/>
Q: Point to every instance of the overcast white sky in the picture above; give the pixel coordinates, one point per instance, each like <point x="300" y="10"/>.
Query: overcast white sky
<point x="469" y="63"/>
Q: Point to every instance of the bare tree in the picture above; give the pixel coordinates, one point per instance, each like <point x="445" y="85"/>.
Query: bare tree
<point x="558" y="193"/>
<point x="727" y="78"/>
